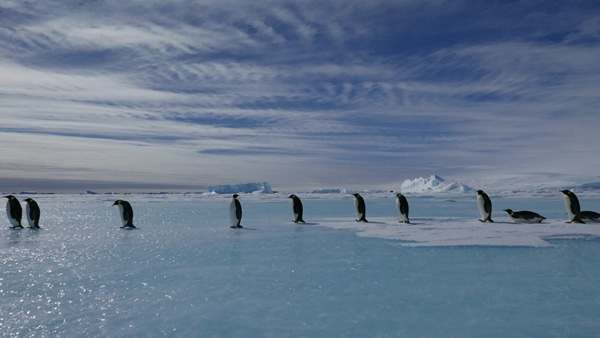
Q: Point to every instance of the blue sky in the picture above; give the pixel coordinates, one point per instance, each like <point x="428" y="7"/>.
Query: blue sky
<point x="303" y="94"/>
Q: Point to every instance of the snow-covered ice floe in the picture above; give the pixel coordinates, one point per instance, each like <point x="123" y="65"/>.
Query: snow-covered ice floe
<point x="465" y="232"/>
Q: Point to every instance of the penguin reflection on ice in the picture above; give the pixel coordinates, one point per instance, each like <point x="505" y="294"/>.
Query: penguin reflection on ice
<point x="297" y="208"/>
<point x="14" y="212"/>
<point x="235" y="212"/>
<point x="360" y="208"/>
<point x="126" y="213"/>
<point x="33" y="213"/>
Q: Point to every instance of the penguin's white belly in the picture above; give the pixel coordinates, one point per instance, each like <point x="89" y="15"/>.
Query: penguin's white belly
<point x="568" y="207"/>
<point x="358" y="214"/>
<point x="12" y="221"/>
<point x="122" y="213"/>
<point x="526" y="220"/>
<point x="232" y="214"/>
<point x="294" y="211"/>
<point x="480" y="205"/>
<point x="30" y="220"/>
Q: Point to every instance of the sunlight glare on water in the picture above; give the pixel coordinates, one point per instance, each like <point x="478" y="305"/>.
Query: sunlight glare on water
<point x="183" y="271"/>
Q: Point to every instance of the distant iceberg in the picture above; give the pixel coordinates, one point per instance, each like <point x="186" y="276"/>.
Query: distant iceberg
<point x="258" y="187"/>
<point x="432" y="184"/>
<point x="328" y="191"/>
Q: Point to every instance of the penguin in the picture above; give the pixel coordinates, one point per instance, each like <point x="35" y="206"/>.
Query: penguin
<point x="32" y="210"/>
<point x="235" y="212"/>
<point x="14" y="212"/>
<point x="484" y="203"/>
<point x="126" y="213"/>
<point x="590" y="217"/>
<point x="572" y="206"/>
<point x="360" y="208"/>
<point x="297" y="208"/>
<point x="402" y="207"/>
<point x="525" y="216"/>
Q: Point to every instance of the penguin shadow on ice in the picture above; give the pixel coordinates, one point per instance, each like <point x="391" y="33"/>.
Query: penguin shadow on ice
<point x="126" y="213"/>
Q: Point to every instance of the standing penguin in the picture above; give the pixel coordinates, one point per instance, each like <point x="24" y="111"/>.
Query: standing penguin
<point x="33" y="213"/>
<point x="235" y="212"/>
<point x="484" y="203"/>
<point x="297" y="208"/>
<point x="402" y="206"/>
<point x="572" y="206"/>
<point x="126" y="212"/>
<point x="14" y="212"/>
<point x="360" y="208"/>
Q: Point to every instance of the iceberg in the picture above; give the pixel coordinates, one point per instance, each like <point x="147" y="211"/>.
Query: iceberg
<point x="328" y="191"/>
<point x="433" y="184"/>
<point x="257" y="187"/>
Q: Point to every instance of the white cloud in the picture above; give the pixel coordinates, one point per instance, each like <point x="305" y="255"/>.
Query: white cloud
<point x="295" y="94"/>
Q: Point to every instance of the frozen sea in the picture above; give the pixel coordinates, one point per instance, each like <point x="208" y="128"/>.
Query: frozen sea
<point x="183" y="272"/>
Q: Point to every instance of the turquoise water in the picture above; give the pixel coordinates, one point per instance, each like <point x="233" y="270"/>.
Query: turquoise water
<point x="184" y="272"/>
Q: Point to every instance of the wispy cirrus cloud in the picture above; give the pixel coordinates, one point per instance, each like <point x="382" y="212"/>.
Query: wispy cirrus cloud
<point x="302" y="95"/>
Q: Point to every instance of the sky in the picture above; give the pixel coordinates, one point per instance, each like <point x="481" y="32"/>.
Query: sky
<point x="179" y="95"/>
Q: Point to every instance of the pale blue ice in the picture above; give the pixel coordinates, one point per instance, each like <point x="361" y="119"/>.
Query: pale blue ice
<point x="185" y="273"/>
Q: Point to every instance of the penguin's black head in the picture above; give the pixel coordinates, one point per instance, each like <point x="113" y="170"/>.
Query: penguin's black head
<point x="291" y="196"/>
<point x="356" y="194"/>
<point x="117" y="202"/>
<point x="398" y="194"/>
<point x="480" y="192"/>
<point x="566" y="192"/>
<point x="509" y="211"/>
<point x="28" y="200"/>
<point x="235" y="196"/>
<point x="10" y="197"/>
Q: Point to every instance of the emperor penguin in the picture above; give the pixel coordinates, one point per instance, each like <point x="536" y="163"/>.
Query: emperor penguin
<point x="590" y="217"/>
<point x="126" y="212"/>
<point x="402" y="207"/>
<point x="32" y="210"/>
<point x="235" y="212"/>
<point x="572" y="206"/>
<point x="14" y="212"/>
<point x="360" y="208"/>
<point x="484" y="203"/>
<point x="525" y="216"/>
<point x="297" y="208"/>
